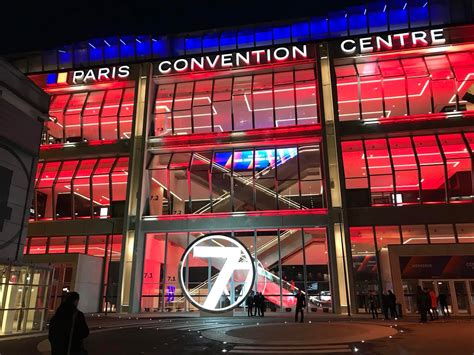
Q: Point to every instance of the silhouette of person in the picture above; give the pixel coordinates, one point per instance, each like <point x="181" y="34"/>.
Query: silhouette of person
<point x="392" y="304"/>
<point x="443" y="304"/>
<point x="262" y="304"/>
<point x="249" y="302"/>
<point x="300" y="305"/>
<point x="373" y="307"/>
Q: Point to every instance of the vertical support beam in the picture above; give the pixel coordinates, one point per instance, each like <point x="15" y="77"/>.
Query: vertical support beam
<point x="340" y="256"/>
<point x="131" y="270"/>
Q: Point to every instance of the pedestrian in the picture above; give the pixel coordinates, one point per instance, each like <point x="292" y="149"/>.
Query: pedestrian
<point x="262" y="304"/>
<point x="256" y="305"/>
<point x="373" y="307"/>
<point x="300" y="305"/>
<point x="427" y="297"/>
<point x="249" y="303"/>
<point x="392" y="304"/>
<point x="385" y="303"/>
<point x="443" y="304"/>
<point x="421" y="304"/>
<point x="434" y="303"/>
<point x="68" y="328"/>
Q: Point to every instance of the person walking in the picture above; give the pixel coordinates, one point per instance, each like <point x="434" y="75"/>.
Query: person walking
<point x="249" y="303"/>
<point x="421" y="304"/>
<point x="256" y="305"/>
<point x="373" y="307"/>
<point x="300" y="305"/>
<point x="434" y="304"/>
<point x="443" y="304"/>
<point x="68" y="328"/>
<point x="385" y="302"/>
<point x="426" y="295"/>
<point x="392" y="304"/>
<point x="262" y="304"/>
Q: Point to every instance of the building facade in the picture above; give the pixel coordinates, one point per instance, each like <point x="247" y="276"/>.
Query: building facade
<point x="338" y="150"/>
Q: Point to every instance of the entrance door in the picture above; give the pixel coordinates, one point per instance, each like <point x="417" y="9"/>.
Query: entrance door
<point x="459" y="294"/>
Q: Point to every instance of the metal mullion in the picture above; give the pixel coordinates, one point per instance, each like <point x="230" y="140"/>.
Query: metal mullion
<point x="367" y="169"/>
<point x="122" y="96"/>
<point x="165" y="270"/>
<point x="212" y="103"/>
<point x="66" y="106"/>
<point x="445" y="166"/>
<point x="91" y="189"/>
<point x="111" y="182"/>
<point x="193" y="93"/>
<point x="172" y="107"/>
<point x="53" y="188"/>
<point x="407" y="99"/>
<point x="209" y="181"/>
<point x="82" y="114"/>
<point x="382" y="89"/>
<point x="305" y="270"/>
<point x="430" y="85"/>
<point x="400" y="232"/>
<point x="394" y="181"/>
<point x="189" y="186"/>
<point x="73" y="215"/>
<point x="468" y="147"/>
<point x="418" y="168"/>
<point x="427" y="231"/>
<point x="99" y="118"/>
<point x="170" y="209"/>
<point x="36" y="190"/>
<point x="280" y="276"/>
<point x="456" y="96"/>
<point x="232" y="104"/>
<point x="295" y="96"/>
<point x="232" y="181"/>
<point x="275" y="183"/>
<point x="377" y="258"/>
<point x="252" y="106"/>
<point x="254" y="181"/>
<point x="359" y="91"/>
<point x="456" y="237"/>
<point x="273" y="100"/>
<point x="299" y="174"/>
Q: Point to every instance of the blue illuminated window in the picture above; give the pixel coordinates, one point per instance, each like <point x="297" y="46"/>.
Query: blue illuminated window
<point x="263" y="36"/>
<point x="228" y="41"/>
<point x="96" y="53"/>
<point x="440" y="12"/>
<point x="338" y="24"/>
<point x="418" y="10"/>
<point x="143" y="46"/>
<point x="300" y="31"/>
<point x="158" y="46"/>
<point x="357" y="16"/>
<point x="210" y="43"/>
<point x="127" y="47"/>
<point x="319" y="27"/>
<point x="178" y="46"/>
<point x="81" y="55"/>
<point x="65" y="57"/>
<point x="281" y="34"/>
<point x="398" y="14"/>
<point x="377" y="16"/>
<point x="111" y="49"/>
<point x="51" y="78"/>
<point x="245" y="39"/>
<point x="193" y="45"/>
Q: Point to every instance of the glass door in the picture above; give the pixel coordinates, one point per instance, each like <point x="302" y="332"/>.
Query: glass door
<point x="462" y="300"/>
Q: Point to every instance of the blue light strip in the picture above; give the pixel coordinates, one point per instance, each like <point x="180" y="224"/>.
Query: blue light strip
<point x="376" y="16"/>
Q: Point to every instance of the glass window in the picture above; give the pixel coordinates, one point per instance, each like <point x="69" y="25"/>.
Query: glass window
<point x="77" y="245"/>
<point x="465" y="232"/>
<point x="414" y="234"/>
<point x="57" y="245"/>
<point x="441" y="233"/>
<point x="240" y="103"/>
<point x="385" y="236"/>
<point x="37" y="245"/>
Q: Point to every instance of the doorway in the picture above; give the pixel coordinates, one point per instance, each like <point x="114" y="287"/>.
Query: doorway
<point x="459" y="294"/>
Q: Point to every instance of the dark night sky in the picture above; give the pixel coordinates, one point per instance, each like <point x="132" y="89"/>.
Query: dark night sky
<point x="32" y="25"/>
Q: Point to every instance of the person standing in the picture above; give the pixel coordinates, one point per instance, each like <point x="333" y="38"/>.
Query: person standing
<point x="68" y="328"/>
<point x="421" y="304"/>
<point x="262" y="304"/>
<point x="256" y="304"/>
<point x="249" y="303"/>
<point x="443" y="304"/>
<point x="385" y="302"/>
<point x="300" y="305"/>
<point x="392" y="304"/>
<point x="373" y="307"/>
<point x="434" y="304"/>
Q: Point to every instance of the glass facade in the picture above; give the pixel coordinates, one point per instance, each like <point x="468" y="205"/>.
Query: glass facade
<point x="409" y="170"/>
<point x="309" y="164"/>
<point x="286" y="260"/>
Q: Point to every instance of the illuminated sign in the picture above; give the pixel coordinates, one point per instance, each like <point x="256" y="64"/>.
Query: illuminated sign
<point x="229" y="277"/>
<point x="100" y="74"/>
<point x="233" y="60"/>
<point x="403" y="40"/>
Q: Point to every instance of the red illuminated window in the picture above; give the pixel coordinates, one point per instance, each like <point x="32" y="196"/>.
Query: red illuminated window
<point x="91" y="116"/>
<point x="269" y="100"/>
<point x="80" y="189"/>
<point x="410" y="86"/>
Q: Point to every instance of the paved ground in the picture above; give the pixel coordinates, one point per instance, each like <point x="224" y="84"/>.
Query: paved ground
<point x="276" y="334"/>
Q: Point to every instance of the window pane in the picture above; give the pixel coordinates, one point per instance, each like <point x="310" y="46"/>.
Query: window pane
<point x="441" y="233"/>
<point x="465" y="232"/>
<point x="414" y="234"/>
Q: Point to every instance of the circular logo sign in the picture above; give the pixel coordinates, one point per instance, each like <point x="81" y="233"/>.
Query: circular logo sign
<point x="216" y="273"/>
